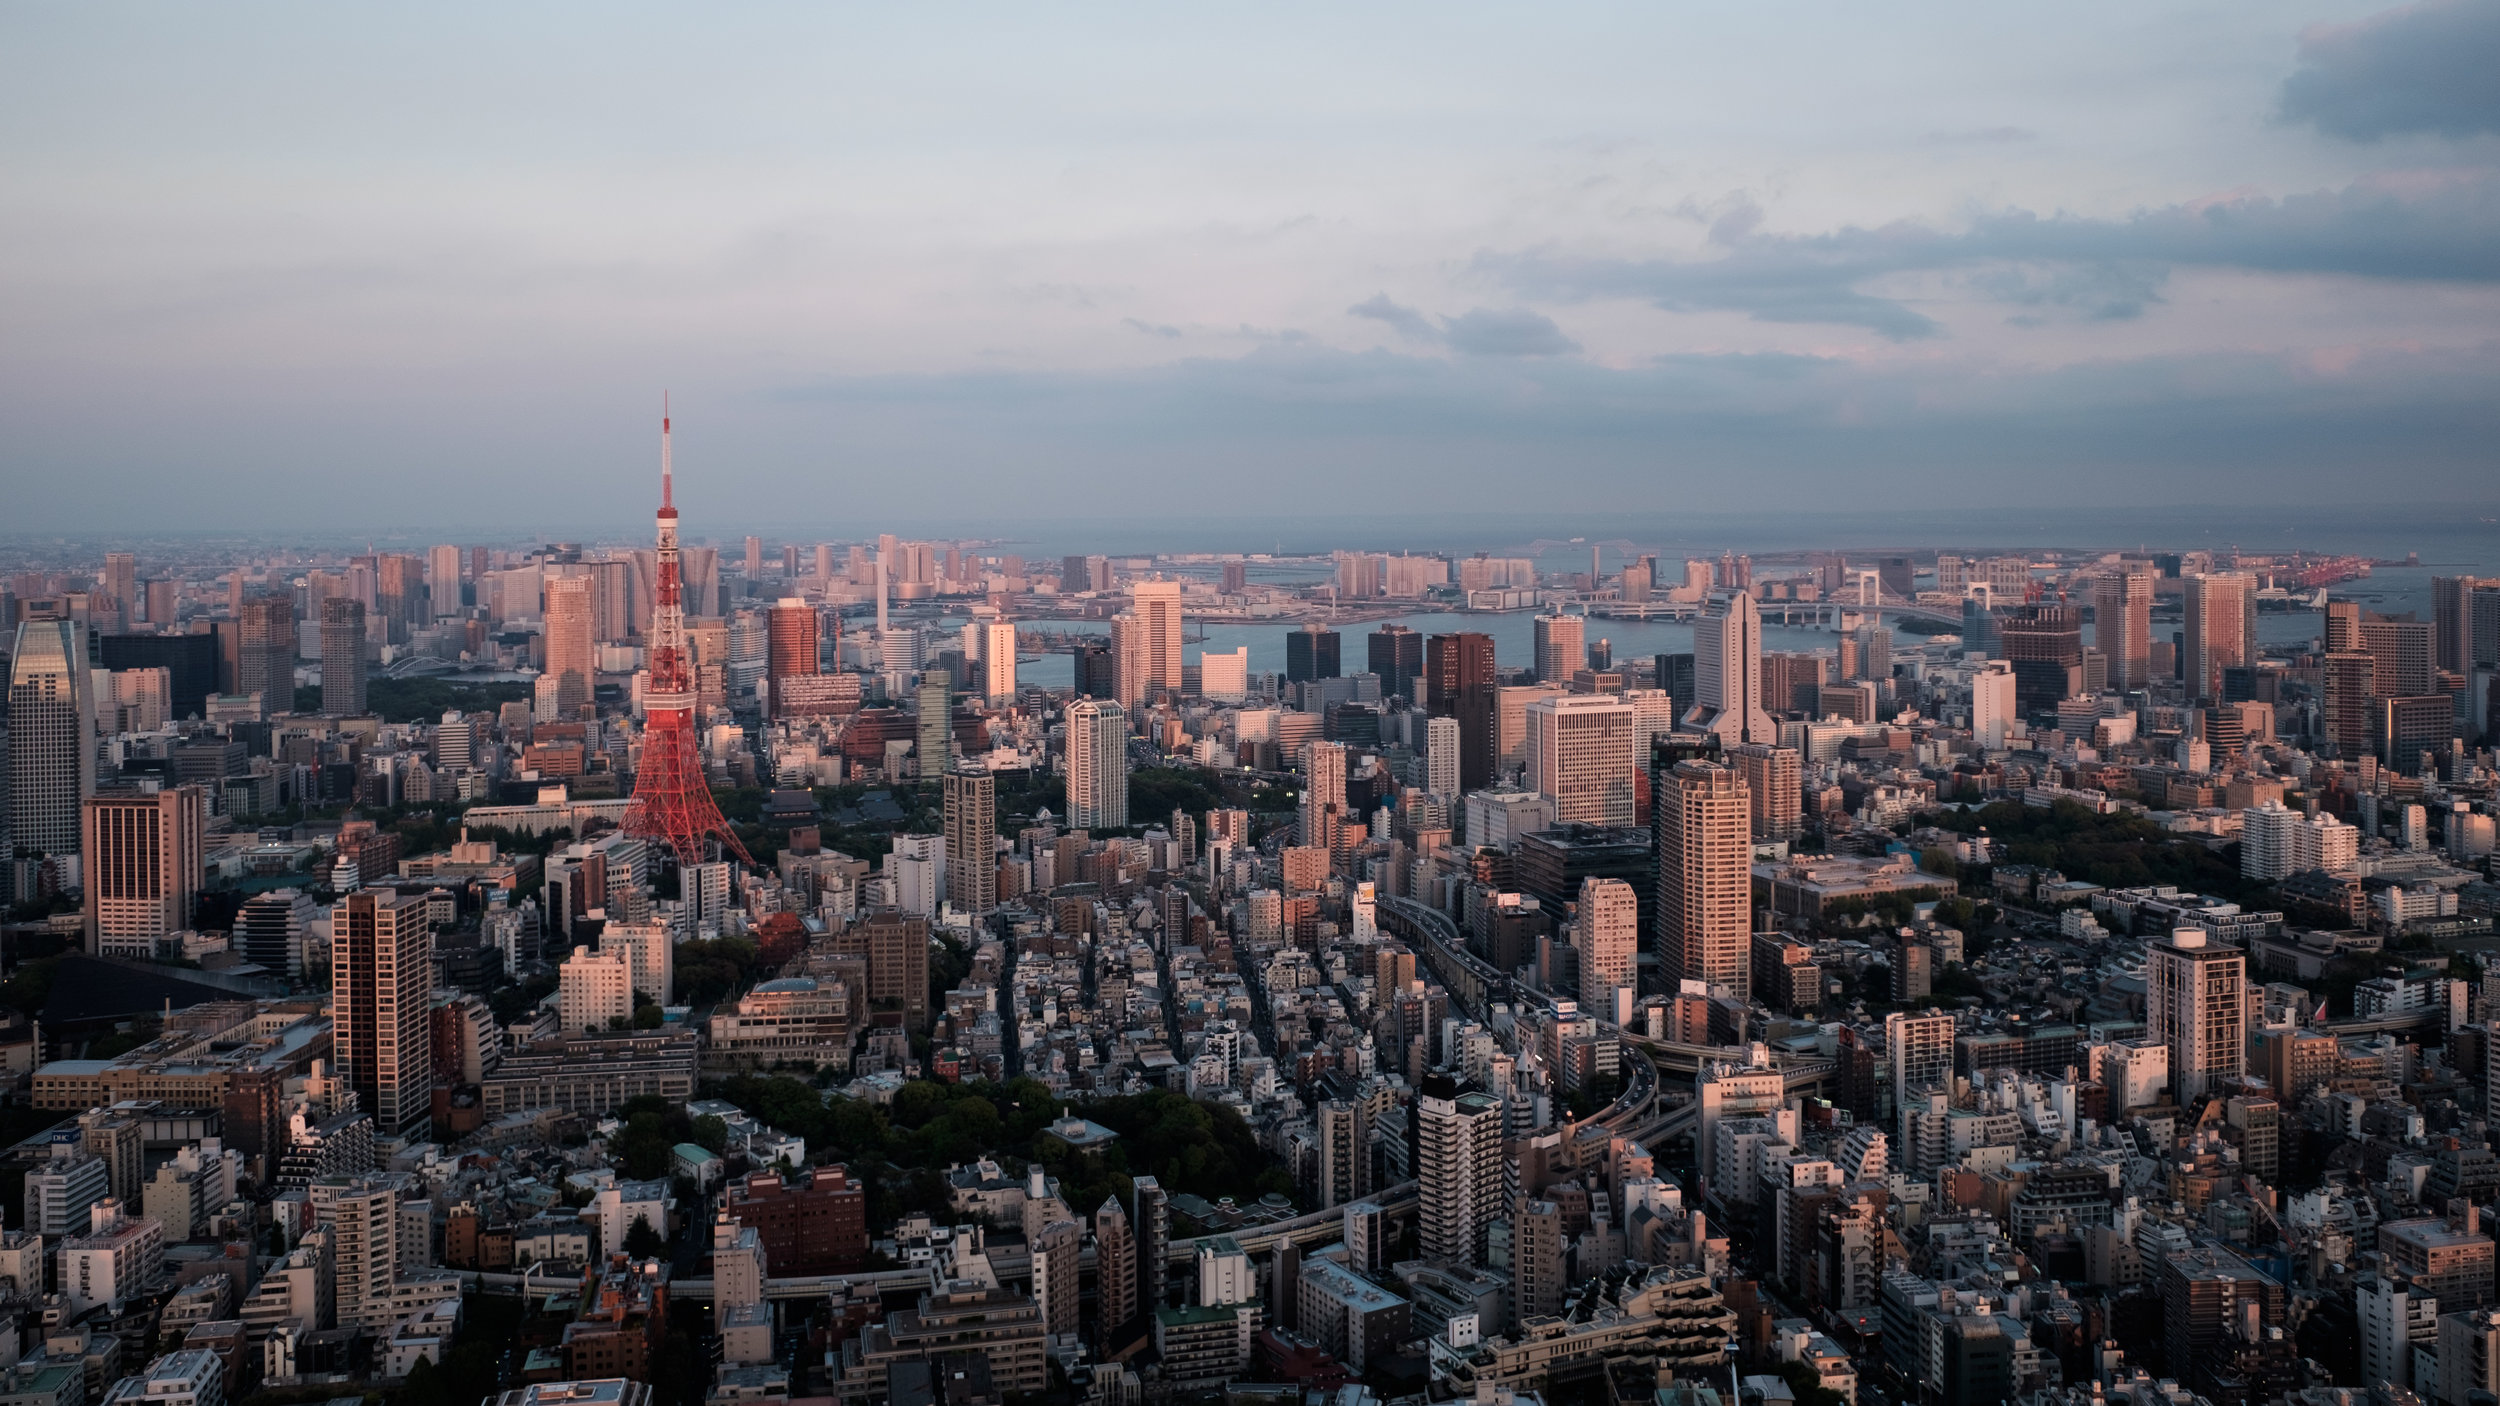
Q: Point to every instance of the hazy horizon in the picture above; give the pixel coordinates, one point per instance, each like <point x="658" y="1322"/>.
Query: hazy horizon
<point x="293" y="268"/>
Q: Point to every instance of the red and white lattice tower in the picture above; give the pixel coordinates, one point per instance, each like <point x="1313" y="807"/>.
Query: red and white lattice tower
<point x="672" y="801"/>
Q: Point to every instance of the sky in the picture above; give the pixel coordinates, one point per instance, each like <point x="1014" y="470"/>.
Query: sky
<point x="315" y="266"/>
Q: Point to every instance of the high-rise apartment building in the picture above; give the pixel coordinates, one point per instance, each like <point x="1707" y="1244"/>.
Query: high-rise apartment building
<point x="2219" y="631"/>
<point x="1919" y="1049"/>
<point x="1727" y="675"/>
<point x="2401" y="654"/>
<point x="381" y="970"/>
<point x="790" y="649"/>
<point x="2452" y="621"/>
<point x="2277" y="842"/>
<point x="1442" y="746"/>
<point x="1995" y="704"/>
<point x="972" y="841"/>
<point x="1606" y="931"/>
<point x="594" y="989"/>
<point x="1115" y="1265"/>
<point x="1458" y="1168"/>
<point x="1459" y="683"/>
<point x="1321" y="810"/>
<point x="1097" y="765"/>
<point x="2195" y="1001"/>
<point x="1702" y="818"/>
<point x="51" y="742"/>
<point x="1397" y="656"/>
<point x="1561" y="647"/>
<point x="2349" y="683"/>
<point x="2122" y="627"/>
<point x="1774" y="780"/>
<point x="572" y="659"/>
<point x="140" y="867"/>
<point x="264" y="660"/>
<point x="342" y="658"/>
<point x="1579" y="752"/>
<point x="998" y="662"/>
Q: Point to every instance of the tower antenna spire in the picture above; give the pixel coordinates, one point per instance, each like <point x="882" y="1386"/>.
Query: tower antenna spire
<point x="668" y="486"/>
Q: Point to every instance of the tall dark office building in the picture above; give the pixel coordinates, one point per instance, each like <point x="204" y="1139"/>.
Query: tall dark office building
<point x="1096" y="672"/>
<point x="189" y="660"/>
<point x="342" y="658"/>
<point x="2045" y="645"/>
<point x="1675" y="674"/>
<point x="1397" y="655"/>
<point x="1311" y="653"/>
<point x="1459" y="682"/>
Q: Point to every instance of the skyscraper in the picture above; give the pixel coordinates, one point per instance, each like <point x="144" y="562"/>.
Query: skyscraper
<point x="972" y="841"/>
<point x="1322" y="806"/>
<point x="442" y="580"/>
<point x="1459" y="683"/>
<point x="1097" y="765"/>
<point x="1702" y="818"/>
<point x="51" y="742"/>
<point x="264" y="661"/>
<point x="1607" y="932"/>
<point x="934" y="706"/>
<point x="121" y="583"/>
<point x="998" y="662"/>
<point x="2220" y="630"/>
<point x="1561" y="647"/>
<point x="2452" y="620"/>
<point x="381" y="969"/>
<point x="1727" y="675"/>
<point x="1150" y="647"/>
<point x="2044" y="645"/>
<point x="2195" y="1002"/>
<point x="342" y="658"/>
<point x="1774" y="779"/>
<point x="1458" y="1167"/>
<point x="1441" y="756"/>
<point x="1153" y="1225"/>
<point x="571" y="660"/>
<point x="790" y="648"/>
<point x="140" y="868"/>
<point x="2122" y="627"/>
<point x="1311" y="653"/>
<point x="1397" y="655"/>
<point x="1579" y="752"/>
<point x="1115" y="1265"/>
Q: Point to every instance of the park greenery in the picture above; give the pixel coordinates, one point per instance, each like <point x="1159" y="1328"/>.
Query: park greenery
<point x="901" y="1150"/>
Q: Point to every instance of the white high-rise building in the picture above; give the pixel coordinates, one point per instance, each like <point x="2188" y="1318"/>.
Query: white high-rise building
<point x="51" y="736"/>
<point x="1458" y="1165"/>
<point x="2220" y="631"/>
<point x="2394" y="1321"/>
<point x="1607" y="932"/>
<point x="594" y="989"/>
<point x="2195" y="1002"/>
<point x="1992" y="709"/>
<point x="1919" y="1050"/>
<point x="1579" y="753"/>
<point x="998" y="662"/>
<point x="648" y="951"/>
<point x="1097" y="765"/>
<point x="2277" y="842"/>
<point x="1727" y="675"/>
<point x="1441" y="756"/>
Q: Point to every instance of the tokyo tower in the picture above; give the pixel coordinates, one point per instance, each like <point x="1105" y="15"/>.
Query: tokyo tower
<point x="672" y="800"/>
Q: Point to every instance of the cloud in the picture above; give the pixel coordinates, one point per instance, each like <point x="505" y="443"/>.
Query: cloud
<point x="2429" y="67"/>
<point x="1406" y="320"/>
<point x="1508" y="332"/>
<point x="1477" y="332"/>
<point x="1151" y="329"/>
<point x="2416" y="226"/>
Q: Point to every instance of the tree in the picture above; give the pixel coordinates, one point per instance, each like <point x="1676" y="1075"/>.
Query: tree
<point x="642" y="1242"/>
